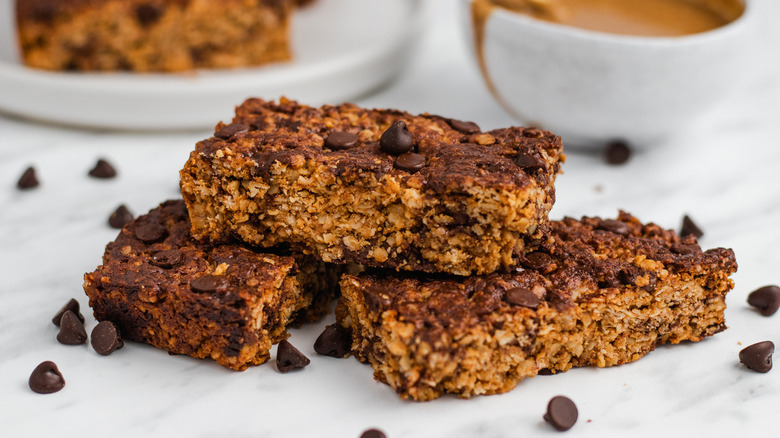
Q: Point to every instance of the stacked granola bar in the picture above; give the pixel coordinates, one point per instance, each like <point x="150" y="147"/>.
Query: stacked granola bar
<point x="468" y="286"/>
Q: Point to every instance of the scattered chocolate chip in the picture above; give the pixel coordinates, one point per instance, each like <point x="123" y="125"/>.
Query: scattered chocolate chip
<point x="614" y="226"/>
<point x="410" y="162"/>
<point x="46" y="378"/>
<point x="561" y="413"/>
<point x="231" y="130"/>
<point x="166" y="259"/>
<point x="683" y="249"/>
<point x="148" y="13"/>
<point x="545" y="372"/>
<point x="335" y="341"/>
<point x="71" y="305"/>
<point x="627" y="275"/>
<point x="528" y="161"/>
<point x="106" y="338"/>
<point x="28" y="180"/>
<point x="765" y="299"/>
<point x="150" y="232"/>
<point x="376" y="301"/>
<point x="689" y="227"/>
<point x="340" y="140"/>
<point x="209" y="284"/>
<point x="397" y="139"/>
<point x="521" y="296"/>
<point x="538" y="260"/>
<point x="71" y="330"/>
<point x="464" y="127"/>
<point x="758" y="357"/>
<point x="373" y="433"/>
<point x="103" y="170"/>
<point x="289" y="358"/>
<point x="617" y="152"/>
<point x="120" y="217"/>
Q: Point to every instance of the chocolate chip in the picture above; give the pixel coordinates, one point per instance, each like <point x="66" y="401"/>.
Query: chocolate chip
<point x="120" y="217"/>
<point x="71" y="330"/>
<point x="209" y="284"/>
<point x="758" y="357"/>
<point x="532" y="132"/>
<point x="617" y="152"/>
<point x="106" y="338"/>
<point x="528" y="161"/>
<point x="289" y="358"/>
<point x="410" y="162"/>
<point x="71" y="305"/>
<point x="46" y="378"/>
<point x="150" y="232"/>
<point x="539" y="261"/>
<point x="765" y="299"/>
<point x="614" y="226"/>
<point x="103" y="170"/>
<point x="231" y="130"/>
<point x="689" y="227"/>
<point x="521" y="296"/>
<point x="340" y="140"/>
<point x="166" y="259"/>
<point x="397" y="139"/>
<point x="561" y="413"/>
<point x="627" y="275"/>
<point x="335" y="341"/>
<point x="464" y="127"/>
<point x="28" y="180"/>
<point x="148" y="13"/>
<point x="683" y="249"/>
<point x="373" y="433"/>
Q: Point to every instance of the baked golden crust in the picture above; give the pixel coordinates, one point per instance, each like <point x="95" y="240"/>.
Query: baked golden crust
<point x="269" y="178"/>
<point x="152" y="35"/>
<point x="604" y="293"/>
<point x="147" y="287"/>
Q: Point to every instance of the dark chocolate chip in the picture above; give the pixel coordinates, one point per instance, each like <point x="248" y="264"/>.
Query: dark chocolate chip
<point x="538" y="260"/>
<point x="373" y="433"/>
<point x="617" y="152"/>
<point x="28" y="180"/>
<point x="71" y="330"/>
<point x="106" y="338"/>
<point x="71" y="305"/>
<point x="528" y="161"/>
<point x="335" y="341"/>
<point x="627" y="275"/>
<point x="103" y="170"/>
<point x="410" y="162"/>
<point x="545" y="372"/>
<point x="231" y="130"/>
<point x="689" y="227"/>
<point x="289" y="358"/>
<point x="521" y="296"/>
<point x="561" y="413"/>
<point x="464" y="127"/>
<point x="120" y="217"/>
<point x="150" y="232"/>
<point x="340" y="140"/>
<point x="166" y="259"/>
<point x="376" y="300"/>
<point x="614" y="226"/>
<point x="209" y="284"/>
<point x="683" y="249"/>
<point x="397" y="139"/>
<point x="46" y="378"/>
<point x="758" y="357"/>
<point x="148" y="13"/>
<point x="766" y="299"/>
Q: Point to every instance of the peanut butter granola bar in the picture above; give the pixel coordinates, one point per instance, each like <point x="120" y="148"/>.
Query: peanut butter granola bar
<point x="152" y="35"/>
<point x="223" y="302"/>
<point x="595" y="293"/>
<point x="374" y="187"/>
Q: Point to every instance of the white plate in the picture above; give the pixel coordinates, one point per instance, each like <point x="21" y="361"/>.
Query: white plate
<point x="342" y="49"/>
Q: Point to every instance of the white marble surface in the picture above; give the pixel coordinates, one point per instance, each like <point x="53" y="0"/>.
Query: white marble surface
<point x="723" y="172"/>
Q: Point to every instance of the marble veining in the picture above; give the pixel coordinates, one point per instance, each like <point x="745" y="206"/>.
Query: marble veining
<point x="723" y="172"/>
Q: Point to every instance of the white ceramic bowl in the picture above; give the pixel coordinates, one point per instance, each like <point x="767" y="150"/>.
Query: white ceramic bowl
<point x="591" y="87"/>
